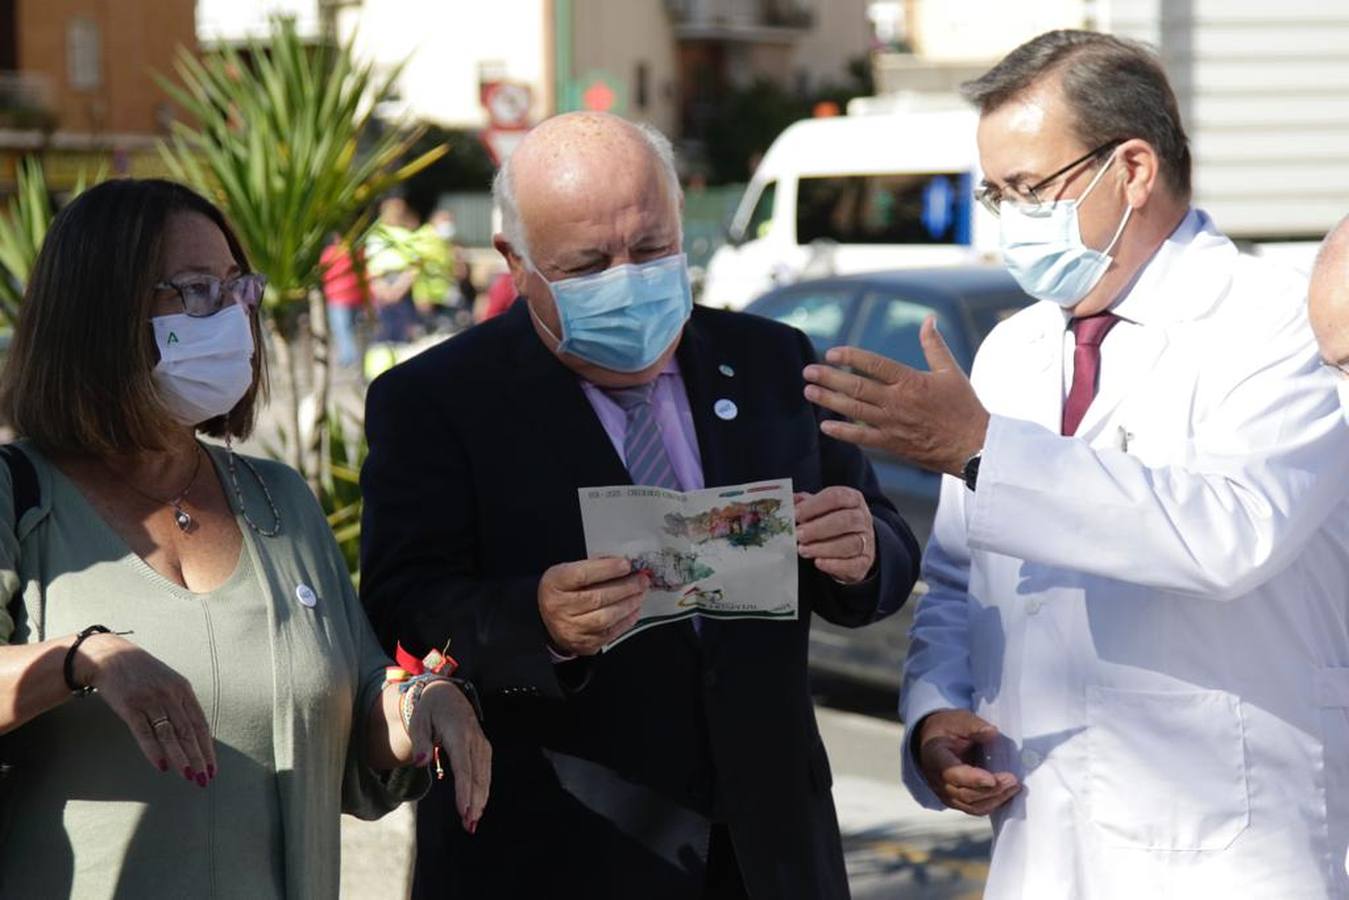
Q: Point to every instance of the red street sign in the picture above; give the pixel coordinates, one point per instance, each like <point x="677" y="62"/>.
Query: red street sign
<point x="508" y="104"/>
<point x="599" y="97"/>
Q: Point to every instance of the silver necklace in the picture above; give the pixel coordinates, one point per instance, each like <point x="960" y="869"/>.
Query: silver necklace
<point x="181" y="517"/>
<point x="230" y="457"/>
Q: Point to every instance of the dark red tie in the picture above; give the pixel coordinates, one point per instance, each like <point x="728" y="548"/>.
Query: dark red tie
<point x="1089" y="332"/>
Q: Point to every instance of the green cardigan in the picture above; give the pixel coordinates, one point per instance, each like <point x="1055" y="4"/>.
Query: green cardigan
<point x="62" y="569"/>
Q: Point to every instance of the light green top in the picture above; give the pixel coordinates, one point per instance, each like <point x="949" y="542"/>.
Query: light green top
<point x="285" y="687"/>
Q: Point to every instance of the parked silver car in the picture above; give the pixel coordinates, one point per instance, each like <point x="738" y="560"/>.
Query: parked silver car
<point x="882" y="312"/>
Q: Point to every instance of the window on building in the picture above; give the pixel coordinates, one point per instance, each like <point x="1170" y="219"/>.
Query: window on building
<point x="642" y="95"/>
<point x="9" y="37"/>
<point x="83" y="55"/>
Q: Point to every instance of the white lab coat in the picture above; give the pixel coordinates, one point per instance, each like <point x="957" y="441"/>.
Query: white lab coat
<point x="1155" y="613"/>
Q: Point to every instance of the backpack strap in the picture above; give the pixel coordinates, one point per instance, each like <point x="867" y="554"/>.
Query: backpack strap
<point x="27" y="494"/>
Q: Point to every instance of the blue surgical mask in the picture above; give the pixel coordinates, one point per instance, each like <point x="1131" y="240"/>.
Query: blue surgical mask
<point x="624" y="318"/>
<point x="1042" y="248"/>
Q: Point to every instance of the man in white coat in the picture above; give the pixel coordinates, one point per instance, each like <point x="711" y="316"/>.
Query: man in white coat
<point x="1134" y="652"/>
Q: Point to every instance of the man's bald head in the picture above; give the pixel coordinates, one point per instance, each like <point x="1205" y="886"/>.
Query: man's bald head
<point x="571" y="154"/>
<point x="1328" y="296"/>
<point x="585" y="193"/>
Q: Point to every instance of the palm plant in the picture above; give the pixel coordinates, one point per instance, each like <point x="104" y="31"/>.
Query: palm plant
<point x="284" y="139"/>
<point x="23" y="226"/>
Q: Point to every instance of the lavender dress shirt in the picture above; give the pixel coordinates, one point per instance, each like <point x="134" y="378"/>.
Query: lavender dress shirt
<point x="672" y="416"/>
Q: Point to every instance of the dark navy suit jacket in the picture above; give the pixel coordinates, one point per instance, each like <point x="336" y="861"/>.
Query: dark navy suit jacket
<point x="609" y="770"/>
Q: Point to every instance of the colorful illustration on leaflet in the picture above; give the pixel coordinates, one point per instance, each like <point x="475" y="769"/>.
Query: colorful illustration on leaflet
<point x="670" y="570"/>
<point x="743" y="525"/>
<point x="696" y="596"/>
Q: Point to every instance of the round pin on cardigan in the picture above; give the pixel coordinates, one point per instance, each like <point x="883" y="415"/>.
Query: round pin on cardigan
<point x="726" y="409"/>
<point x="726" y="370"/>
<point x="305" y="594"/>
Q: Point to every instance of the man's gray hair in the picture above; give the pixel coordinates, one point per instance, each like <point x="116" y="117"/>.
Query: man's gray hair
<point x="1116" y="89"/>
<point x="503" y="188"/>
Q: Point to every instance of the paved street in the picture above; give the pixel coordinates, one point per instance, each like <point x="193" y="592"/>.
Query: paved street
<point x="895" y="849"/>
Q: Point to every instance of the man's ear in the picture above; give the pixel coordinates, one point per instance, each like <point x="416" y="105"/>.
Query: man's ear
<point x="516" y="263"/>
<point x="1140" y="167"/>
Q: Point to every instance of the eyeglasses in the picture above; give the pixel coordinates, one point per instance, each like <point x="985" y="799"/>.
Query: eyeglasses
<point x="992" y="196"/>
<point x="205" y="295"/>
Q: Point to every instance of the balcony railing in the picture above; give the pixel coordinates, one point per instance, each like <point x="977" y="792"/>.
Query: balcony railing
<point x="26" y="101"/>
<point x="741" y="19"/>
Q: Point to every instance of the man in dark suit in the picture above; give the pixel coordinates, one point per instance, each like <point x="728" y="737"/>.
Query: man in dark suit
<point x="686" y="761"/>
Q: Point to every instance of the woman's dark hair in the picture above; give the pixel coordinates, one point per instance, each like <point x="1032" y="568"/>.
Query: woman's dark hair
<point x="78" y="377"/>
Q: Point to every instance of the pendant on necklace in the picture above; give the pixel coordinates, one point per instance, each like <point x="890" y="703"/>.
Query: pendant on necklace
<point x="181" y="517"/>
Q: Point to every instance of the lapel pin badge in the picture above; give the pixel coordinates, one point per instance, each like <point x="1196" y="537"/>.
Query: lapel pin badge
<point x="726" y="409"/>
<point x="305" y="594"/>
<point x="726" y="370"/>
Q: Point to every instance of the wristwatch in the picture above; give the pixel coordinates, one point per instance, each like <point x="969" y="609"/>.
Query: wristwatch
<point x="971" y="471"/>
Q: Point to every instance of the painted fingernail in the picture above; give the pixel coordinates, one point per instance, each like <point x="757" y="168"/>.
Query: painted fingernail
<point x="473" y="827"/>
<point x="187" y="772"/>
<point x="201" y="779"/>
<point x="210" y="771"/>
<point x="163" y="765"/>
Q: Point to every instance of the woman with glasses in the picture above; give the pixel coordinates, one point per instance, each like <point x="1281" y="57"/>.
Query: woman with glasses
<point x="190" y="694"/>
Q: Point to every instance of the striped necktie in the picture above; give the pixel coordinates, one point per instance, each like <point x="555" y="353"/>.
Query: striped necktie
<point x="643" y="448"/>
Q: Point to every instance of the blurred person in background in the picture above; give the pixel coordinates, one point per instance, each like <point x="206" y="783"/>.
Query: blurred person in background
<point x="1134" y="649"/>
<point x="686" y="762"/>
<point x="190" y="693"/>
<point x="498" y="297"/>
<point x="435" y="293"/>
<point x="391" y="267"/>
<point x="346" y="293"/>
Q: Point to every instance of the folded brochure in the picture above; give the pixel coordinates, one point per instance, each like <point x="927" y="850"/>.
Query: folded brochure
<point x="723" y="553"/>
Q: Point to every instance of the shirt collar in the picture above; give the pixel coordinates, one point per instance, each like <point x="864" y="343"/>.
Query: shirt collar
<point x="1143" y="301"/>
<point x="671" y="368"/>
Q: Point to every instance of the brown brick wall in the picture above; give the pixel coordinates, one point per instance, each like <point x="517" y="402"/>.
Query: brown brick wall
<point x="136" y="38"/>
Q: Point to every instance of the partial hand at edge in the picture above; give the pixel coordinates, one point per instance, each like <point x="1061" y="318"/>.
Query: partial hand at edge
<point x="933" y="419"/>
<point x="588" y="604"/>
<point x="948" y="747"/>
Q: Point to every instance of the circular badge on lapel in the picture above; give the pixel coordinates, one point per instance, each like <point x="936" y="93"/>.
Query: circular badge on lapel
<point x="726" y="370"/>
<point x="726" y="409"/>
<point x="305" y="594"/>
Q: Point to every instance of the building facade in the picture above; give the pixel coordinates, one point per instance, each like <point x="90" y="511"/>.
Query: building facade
<point x="77" y="83"/>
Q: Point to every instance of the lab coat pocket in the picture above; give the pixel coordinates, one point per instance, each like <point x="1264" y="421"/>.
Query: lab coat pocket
<point x="1166" y="770"/>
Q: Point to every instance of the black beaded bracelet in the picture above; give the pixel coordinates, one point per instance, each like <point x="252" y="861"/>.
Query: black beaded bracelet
<point x="80" y="690"/>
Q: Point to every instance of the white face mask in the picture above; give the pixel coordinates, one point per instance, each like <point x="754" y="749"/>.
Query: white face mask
<point x="1044" y="251"/>
<point x="1343" y="387"/>
<point x="205" y="364"/>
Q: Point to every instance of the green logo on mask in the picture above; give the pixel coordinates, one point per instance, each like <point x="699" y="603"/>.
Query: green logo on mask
<point x="173" y="338"/>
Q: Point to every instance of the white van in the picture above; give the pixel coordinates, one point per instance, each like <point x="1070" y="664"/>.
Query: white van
<point x="855" y="193"/>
